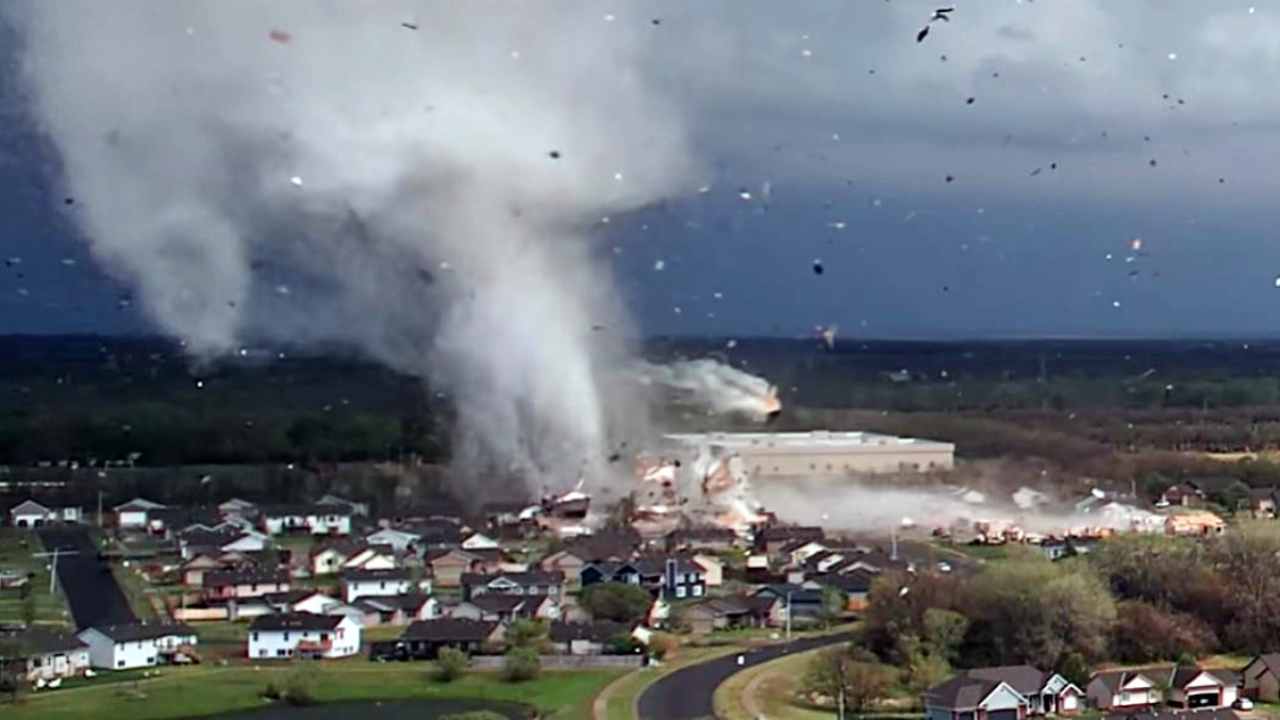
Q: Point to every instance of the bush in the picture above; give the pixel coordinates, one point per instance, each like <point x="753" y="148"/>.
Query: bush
<point x="271" y="692"/>
<point x="618" y="602"/>
<point x="451" y="663"/>
<point x="298" y="688"/>
<point x="521" y="664"/>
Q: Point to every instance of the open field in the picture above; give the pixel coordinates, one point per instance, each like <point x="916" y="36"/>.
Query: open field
<point x="209" y="690"/>
<point x="16" y="547"/>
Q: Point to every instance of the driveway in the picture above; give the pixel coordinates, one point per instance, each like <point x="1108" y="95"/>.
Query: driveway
<point x="87" y="582"/>
<point x="687" y="694"/>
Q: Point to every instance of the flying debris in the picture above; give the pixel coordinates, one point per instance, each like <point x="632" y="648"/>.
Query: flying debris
<point x="744" y="193"/>
<point x="817" y="267"/>
<point x="554" y="154"/>
<point x="10" y="262"/>
<point x="68" y="201"/>
<point x="409" y="25"/>
<point x="837" y="225"/>
<point x="280" y="36"/>
<point x="659" y="265"/>
<point x="829" y="336"/>
<point x="296" y="181"/>
<point x="1036" y="172"/>
<point x="939" y="14"/>
<point x="1136" y="244"/>
<point x="969" y="101"/>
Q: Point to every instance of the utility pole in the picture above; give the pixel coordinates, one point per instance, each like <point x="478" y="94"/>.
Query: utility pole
<point x="53" y="572"/>
<point x="893" y="544"/>
<point x="99" y="508"/>
<point x="788" y="616"/>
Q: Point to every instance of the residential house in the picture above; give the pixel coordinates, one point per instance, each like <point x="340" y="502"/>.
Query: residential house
<point x="315" y="519"/>
<point x="287" y="635"/>
<point x="1263" y="501"/>
<point x="1261" y="678"/>
<point x="228" y="584"/>
<point x="709" y="538"/>
<point x="135" y="514"/>
<point x="771" y="539"/>
<point x="237" y="508"/>
<point x="31" y="514"/>
<point x="314" y="602"/>
<point x="363" y="583"/>
<point x="448" y="566"/>
<point x="530" y="582"/>
<point x="855" y="585"/>
<point x="327" y="558"/>
<point x="372" y="557"/>
<point x="1187" y="686"/>
<point x="490" y="607"/>
<point x="1046" y="693"/>
<point x="677" y="577"/>
<point x="799" y="600"/>
<point x="1168" y="714"/>
<point x="1180" y="495"/>
<point x="569" y="563"/>
<point x="1193" y="687"/>
<point x="223" y="539"/>
<point x="416" y="606"/>
<point x="194" y="569"/>
<point x="1224" y="490"/>
<point x="45" y="655"/>
<point x="712" y="568"/>
<point x="354" y="508"/>
<point x="425" y="638"/>
<point x="1194" y="523"/>
<point x="584" y="638"/>
<point x="399" y="539"/>
<point x="965" y="697"/>
<point x="734" y="612"/>
<point x="329" y="519"/>
<point x="437" y="532"/>
<point x="124" y="647"/>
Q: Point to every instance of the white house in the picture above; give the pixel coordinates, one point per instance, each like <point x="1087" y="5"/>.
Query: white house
<point x="362" y="583"/>
<point x="329" y="520"/>
<point x="124" y="647"/>
<point x="237" y="508"/>
<point x="399" y="540"/>
<point x="49" y="655"/>
<point x="287" y="635"/>
<point x="373" y="557"/>
<point x="317" y="603"/>
<point x="135" y="513"/>
<point x="31" y="514"/>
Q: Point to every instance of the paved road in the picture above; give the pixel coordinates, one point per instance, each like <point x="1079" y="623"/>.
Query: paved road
<point x="90" y="588"/>
<point x="687" y="694"/>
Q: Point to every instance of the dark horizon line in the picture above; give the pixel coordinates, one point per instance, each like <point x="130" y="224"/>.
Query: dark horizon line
<point x="914" y="338"/>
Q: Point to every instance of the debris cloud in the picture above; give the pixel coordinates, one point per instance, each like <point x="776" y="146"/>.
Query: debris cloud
<point x="396" y="184"/>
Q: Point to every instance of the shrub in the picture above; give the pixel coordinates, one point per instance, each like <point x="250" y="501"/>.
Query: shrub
<point x="298" y="688"/>
<point x="521" y="664"/>
<point x="618" y="602"/>
<point x="271" y="692"/>
<point x="661" y="644"/>
<point x="451" y="663"/>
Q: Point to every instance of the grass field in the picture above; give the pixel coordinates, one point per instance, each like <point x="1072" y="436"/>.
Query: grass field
<point x="208" y="690"/>
<point x="16" y="547"/>
<point x="768" y="690"/>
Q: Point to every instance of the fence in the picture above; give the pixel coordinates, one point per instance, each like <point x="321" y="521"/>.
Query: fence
<point x="564" y="662"/>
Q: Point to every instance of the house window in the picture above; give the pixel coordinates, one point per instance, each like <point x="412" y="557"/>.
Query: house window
<point x="282" y="653"/>
<point x="119" y="663"/>
<point x="324" y="637"/>
<point x="255" y="637"/>
<point x="262" y="652"/>
<point x="286" y="637"/>
<point x="697" y="591"/>
<point x="680" y="591"/>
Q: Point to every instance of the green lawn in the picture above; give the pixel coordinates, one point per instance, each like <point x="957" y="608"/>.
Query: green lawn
<point x="135" y="589"/>
<point x="16" y="547"/>
<point x="622" y="696"/>
<point x="208" y="690"/>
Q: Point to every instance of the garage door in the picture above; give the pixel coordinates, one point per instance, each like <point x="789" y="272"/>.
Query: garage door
<point x="1003" y="715"/>
<point x="1202" y="700"/>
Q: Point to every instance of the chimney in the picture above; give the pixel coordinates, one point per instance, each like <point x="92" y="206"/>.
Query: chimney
<point x="671" y="573"/>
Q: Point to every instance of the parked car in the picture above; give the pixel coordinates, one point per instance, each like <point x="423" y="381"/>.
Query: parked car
<point x="1243" y="703"/>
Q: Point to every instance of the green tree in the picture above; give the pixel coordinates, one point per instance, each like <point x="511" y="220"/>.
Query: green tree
<point x="944" y="630"/>
<point x="451" y="664"/>
<point x="1075" y="668"/>
<point x="851" y="679"/>
<point x="521" y="664"/>
<point x="618" y="602"/>
<point x="926" y="669"/>
<point x="833" y="604"/>
<point x="526" y="633"/>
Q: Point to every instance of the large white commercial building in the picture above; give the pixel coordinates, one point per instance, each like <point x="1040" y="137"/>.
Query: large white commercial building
<point x="819" y="453"/>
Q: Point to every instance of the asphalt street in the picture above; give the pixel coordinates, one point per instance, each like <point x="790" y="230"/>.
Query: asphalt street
<point x="90" y="588"/>
<point x="687" y="694"/>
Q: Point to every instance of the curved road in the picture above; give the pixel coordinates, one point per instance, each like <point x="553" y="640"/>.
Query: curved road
<point x="687" y="694"/>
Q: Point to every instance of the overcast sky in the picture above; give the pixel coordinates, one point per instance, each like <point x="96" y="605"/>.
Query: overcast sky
<point x="1092" y="125"/>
